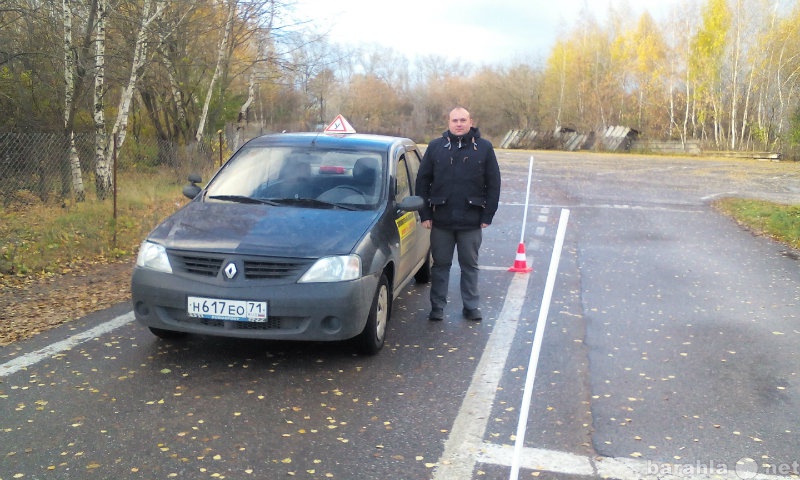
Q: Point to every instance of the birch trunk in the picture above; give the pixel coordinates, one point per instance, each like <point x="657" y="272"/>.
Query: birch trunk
<point x="251" y="94"/>
<point x="139" y="56"/>
<point x="74" y="164"/>
<point x="103" y="167"/>
<point x="223" y="47"/>
<point x="735" y="87"/>
<point x="176" y="93"/>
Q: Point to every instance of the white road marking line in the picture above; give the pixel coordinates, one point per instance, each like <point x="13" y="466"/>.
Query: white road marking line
<point x="463" y="445"/>
<point x="492" y="268"/>
<point x="617" y="468"/>
<point x="538" y="337"/>
<point x="32" y="358"/>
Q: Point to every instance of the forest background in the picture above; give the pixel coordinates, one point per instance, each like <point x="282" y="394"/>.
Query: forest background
<point x="107" y="105"/>
<point x="169" y="72"/>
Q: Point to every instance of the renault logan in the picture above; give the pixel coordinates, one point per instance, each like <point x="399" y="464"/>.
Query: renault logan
<point x="298" y="236"/>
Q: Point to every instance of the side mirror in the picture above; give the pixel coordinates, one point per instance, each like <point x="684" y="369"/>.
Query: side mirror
<point x="192" y="190"/>
<point x="412" y="203"/>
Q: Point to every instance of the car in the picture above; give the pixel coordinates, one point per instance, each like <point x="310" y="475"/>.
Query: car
<point x="298" y="236"/>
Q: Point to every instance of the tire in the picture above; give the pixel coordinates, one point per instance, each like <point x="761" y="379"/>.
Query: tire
<point x="167" y="334"/>
<point x="371" y="339"/>
<point x="423" y="275"/>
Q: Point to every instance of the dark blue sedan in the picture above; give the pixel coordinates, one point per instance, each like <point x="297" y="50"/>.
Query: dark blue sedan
<point x="299" y="236"/>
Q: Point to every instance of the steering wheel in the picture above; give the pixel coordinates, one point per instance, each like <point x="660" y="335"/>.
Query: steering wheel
<point x="344" y="194"/>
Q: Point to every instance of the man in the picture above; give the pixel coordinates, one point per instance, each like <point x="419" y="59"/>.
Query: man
<point x="459" y="178"/>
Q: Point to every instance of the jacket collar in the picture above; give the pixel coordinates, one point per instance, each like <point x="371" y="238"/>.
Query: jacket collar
<point x="471" y="137"/>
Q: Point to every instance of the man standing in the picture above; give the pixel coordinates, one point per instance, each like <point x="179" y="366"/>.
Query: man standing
<point x="459" y="178"/>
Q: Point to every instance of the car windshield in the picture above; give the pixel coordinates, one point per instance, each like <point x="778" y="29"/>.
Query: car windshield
<point x="273" y="175"/>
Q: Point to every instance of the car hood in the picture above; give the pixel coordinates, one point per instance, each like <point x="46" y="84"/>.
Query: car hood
<point x="285" y="231"/>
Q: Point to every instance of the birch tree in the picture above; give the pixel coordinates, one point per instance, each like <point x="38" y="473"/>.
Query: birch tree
<point x="221" y="56"/>
<point x="734" y="90"/>
<point x="152" y="11"/>
<point x="69" y="107"/>
<point x="243" y="111"/>
<point x="103" y="180"/>
<point x="707" y="54"/>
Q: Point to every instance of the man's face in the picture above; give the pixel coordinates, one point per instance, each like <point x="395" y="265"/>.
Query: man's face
<point x="460" y="122"/>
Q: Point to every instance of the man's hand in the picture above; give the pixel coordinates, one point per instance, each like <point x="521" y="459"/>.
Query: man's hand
<point x="427" y="224"/>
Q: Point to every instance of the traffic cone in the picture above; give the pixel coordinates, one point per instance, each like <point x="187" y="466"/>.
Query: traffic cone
<point x="520" y="262"/>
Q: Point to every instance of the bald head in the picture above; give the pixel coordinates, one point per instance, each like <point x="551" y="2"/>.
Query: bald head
<point x="460" y="122"/>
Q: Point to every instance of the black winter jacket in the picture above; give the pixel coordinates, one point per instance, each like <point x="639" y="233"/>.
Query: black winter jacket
<point x="459" y="178"/>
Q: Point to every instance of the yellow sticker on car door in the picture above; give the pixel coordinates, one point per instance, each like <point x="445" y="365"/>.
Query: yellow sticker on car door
<point x="406" y="226"/>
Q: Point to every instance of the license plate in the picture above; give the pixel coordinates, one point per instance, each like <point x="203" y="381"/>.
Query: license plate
<point x="221" y="309"/>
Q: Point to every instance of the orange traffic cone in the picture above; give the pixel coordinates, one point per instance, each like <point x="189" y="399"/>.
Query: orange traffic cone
<point x="520" y="262"/>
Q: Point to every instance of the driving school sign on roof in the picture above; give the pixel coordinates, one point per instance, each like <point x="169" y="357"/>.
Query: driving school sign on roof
<point x="339" y="125"/>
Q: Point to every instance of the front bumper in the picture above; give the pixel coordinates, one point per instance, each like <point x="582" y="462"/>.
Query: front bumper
<point x="308" y="312"/>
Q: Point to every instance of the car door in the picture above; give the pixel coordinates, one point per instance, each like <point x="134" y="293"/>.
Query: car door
<point x="413" y="244"/>
<point x="423" y="235"/>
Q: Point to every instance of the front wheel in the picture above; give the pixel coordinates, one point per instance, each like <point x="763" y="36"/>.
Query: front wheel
<point x="372" y="338"/>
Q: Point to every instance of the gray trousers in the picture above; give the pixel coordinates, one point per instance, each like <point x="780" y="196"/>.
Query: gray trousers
<point x="443" y="243"/>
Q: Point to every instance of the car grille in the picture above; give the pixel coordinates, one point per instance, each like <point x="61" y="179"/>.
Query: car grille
<point x="272" y="269"/>
<point x="260" y="269"/>
<point x="206" y="266"/>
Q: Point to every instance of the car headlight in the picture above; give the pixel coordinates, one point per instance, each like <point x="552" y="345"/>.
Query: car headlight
<point x="333" y="269"/>
<point x="153" y="256"/>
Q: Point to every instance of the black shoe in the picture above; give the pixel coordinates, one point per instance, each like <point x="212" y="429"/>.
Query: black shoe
<point x="437" y="314"/>
<point x="472" y="314"/>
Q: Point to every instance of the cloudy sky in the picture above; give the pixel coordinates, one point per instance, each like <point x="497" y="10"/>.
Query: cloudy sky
<point x="478" y="31"/>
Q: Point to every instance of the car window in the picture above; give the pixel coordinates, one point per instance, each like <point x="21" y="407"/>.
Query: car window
<point x="278" y="173"/>
<point x="403" y="183"/>
<point x="246" y="171"/>
<point x="412" y="161"/>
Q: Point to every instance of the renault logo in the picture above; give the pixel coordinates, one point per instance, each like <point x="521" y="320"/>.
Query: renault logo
<point x="230" y="270"/>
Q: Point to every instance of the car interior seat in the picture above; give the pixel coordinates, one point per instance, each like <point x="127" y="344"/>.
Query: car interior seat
<point x="295" y="179"/>
<point x="365" y="176"/>
<point x="362" y="190"/>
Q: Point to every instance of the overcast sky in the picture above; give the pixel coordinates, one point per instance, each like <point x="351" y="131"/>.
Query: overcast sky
<point x="478" y="31"/>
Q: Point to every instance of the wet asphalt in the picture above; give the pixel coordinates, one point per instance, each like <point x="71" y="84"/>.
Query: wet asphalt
<point x="670" y="347"/>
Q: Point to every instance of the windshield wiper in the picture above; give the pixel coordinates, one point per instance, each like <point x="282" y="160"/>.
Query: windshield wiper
<point x="311" y="202"/>
<point x="242" y="199"/>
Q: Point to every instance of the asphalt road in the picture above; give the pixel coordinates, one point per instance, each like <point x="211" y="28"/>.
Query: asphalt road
<point x="667" y="350"/>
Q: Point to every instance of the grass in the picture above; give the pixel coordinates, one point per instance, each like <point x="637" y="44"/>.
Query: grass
<point x="778" y="221"/>
<point x="41" y="239"/>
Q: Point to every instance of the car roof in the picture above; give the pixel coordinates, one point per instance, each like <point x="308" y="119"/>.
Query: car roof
<point x="330" y="141"/>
